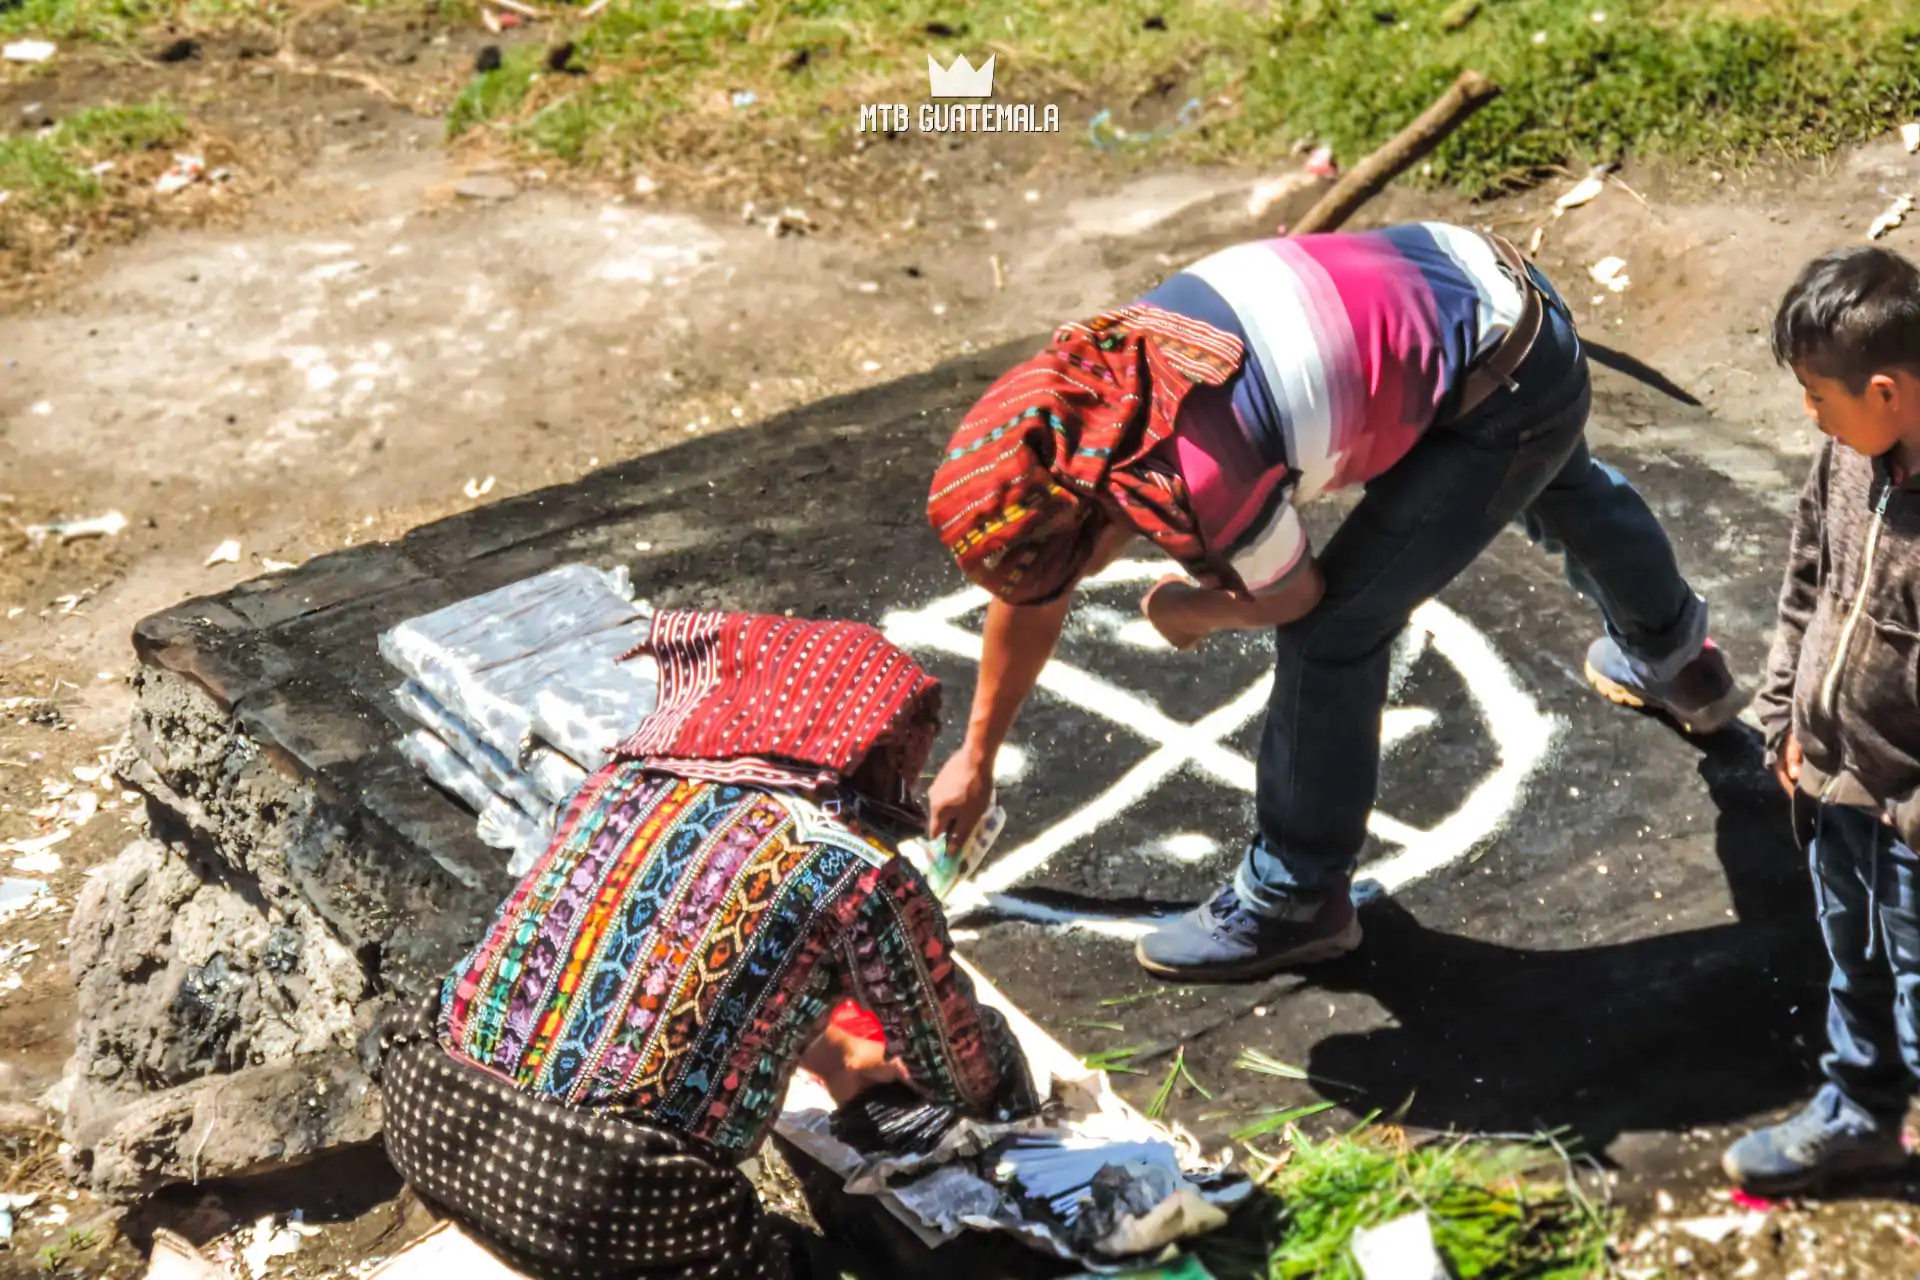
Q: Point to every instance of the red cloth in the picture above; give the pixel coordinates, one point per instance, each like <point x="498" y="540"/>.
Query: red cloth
<point x="1071" y="433"/>
<point x="787" y="702"/>
<point x="856" y="1021"/>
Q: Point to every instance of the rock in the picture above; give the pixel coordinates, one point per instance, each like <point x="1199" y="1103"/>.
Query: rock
<point x="179" y="974"/>
<point x="486" y="188"/>
<point x="256" y="927"/>
<point x="250" y="1121"/>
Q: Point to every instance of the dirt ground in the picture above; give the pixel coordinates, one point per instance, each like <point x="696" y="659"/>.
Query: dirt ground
<point x="344" y="347"/>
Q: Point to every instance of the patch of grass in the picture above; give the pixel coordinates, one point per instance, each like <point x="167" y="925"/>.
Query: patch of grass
<point x="1163" y="1097"/>
<point x="123" y="22"/>
<point x="1115" y="1061"/>
<point x="1502" y="1211"/>
<point x="1273" y="1121"/>
<point x="1653" y="77"/>
<point x="1733" y="79"/>
<point x="49" y="172"/>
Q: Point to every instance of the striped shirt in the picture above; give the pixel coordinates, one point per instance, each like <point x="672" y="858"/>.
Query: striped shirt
<point x="1353" y="344"/>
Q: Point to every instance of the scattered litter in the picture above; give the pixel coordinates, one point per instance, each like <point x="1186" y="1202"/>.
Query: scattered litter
<point x="743" y="98"/>
<point x="186" y="171"/>
<point x="268" y="1241"/>
<point x="1663" y="1201"/>
<point x="44" y="863"/>
<point x="1267" y="194"/>
<point x="1321" y="164"/>
<point x="1539" y="37"/>
<point x="1460" y="14"/>
<point x="1399" y="1250"/>
<point x="180" y="50"/>
<point x="1535" y="240"/>
<point x="486" y="187"/>
<point x="28" y="51"/>
<point x="643" y="185"/>
<point x="593" y="9"/>
<point x="11" y="1204"/>
<point x="14" y="959"/>
<point x="868" y="286"/>
<point x="478" y="488"/>
<point x="41" y="408"/>
<point x="91" y="773"/>
<point x="105" y="526"/>
<point x="55" y="1215"/>
<point x="102" y="169"/>
<point x="1611" y="272"/>
<point x="789" y="221"/>
<point x="1106" y="135"/>
<point x="276" y="566"/>
<point x="1713" y="1230"/>
<point x="1585" y="191"/>
<point x="17" y="894"/>
<point x="1910" y="136"/>
<point x="491" y="21"/>
<point x="508" y="21"/>
<point x="33" y="846"/>
<point x="227" y="552"/>
<point x="1893" y="216"/>
<point x="869" y="366"/>
<point x="1749" y="1201"/>
<point x="643" y="546"/>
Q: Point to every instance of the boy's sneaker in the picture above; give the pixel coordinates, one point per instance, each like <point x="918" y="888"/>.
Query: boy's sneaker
<point x="1222" y="941"/>
<point x="1821" y="1142"/>
<point x="1703" y="698"/>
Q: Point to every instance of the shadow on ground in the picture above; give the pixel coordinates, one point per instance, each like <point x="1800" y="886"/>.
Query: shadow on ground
<point x="1673" y="1032"/>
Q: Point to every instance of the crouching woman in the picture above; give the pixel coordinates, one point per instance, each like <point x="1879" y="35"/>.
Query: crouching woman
<point x="581" y="1090"/>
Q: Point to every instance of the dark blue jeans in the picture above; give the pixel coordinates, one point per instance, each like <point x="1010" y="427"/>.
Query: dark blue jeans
<point x="1867" y="886"/>
<point x="1521" y="456"/>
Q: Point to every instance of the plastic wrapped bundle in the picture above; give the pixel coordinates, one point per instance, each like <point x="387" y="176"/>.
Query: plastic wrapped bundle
<point x="495" y="770"/>
<point x="484" y="660"/>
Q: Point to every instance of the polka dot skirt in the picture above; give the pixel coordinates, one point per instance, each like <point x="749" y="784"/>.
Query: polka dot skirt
<point x="563" y="1192"/>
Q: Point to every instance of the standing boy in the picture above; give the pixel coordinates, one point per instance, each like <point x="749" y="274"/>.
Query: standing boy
<point x="1842" y="711"/>
<point x="1430" y="365"/>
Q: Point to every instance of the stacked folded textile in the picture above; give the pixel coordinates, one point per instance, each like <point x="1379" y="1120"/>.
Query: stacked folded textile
<point x="519" y="694"/>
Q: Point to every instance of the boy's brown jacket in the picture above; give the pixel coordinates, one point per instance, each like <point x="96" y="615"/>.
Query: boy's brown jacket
<point x="1845" y="671"/>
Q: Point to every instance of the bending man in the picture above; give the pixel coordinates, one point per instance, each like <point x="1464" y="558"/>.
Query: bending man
<point x="1429" y="364"/>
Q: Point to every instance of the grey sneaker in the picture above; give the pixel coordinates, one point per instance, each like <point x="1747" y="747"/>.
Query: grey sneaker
<point x="1822" y="1141"/>
<point x="1222" y="941"/>
<point x="1703" y="698"/>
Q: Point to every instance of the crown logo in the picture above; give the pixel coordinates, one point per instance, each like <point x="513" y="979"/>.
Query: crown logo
<point x="960" y="80"/>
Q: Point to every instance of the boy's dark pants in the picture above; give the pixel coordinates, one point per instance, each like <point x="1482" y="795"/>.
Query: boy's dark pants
<point x="1867" y="887"/>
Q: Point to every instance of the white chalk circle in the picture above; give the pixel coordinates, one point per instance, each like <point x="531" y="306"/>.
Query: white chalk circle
<point x="1521" y="735"/>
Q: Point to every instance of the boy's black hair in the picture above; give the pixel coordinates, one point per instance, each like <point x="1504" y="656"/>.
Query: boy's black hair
<point x="1852" y="313"/>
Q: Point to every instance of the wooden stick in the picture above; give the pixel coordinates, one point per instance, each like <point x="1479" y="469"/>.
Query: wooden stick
<point x="1405" y="149"/>
<point x="524" y="10"/>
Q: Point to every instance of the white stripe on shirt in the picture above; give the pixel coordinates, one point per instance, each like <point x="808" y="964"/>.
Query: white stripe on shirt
<point x="1501" y="301"/>
<point x="1274" y="552"/>
<point x="1269" y="297"/>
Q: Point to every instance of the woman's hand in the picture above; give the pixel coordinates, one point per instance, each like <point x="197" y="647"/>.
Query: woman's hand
<point x="849" y="1065"/>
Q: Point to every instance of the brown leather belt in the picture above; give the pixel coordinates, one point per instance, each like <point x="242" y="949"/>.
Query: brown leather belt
<point x="1496" y="369"/>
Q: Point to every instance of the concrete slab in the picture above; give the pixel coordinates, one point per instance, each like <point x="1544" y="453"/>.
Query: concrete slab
<point x="1579" y="919"/>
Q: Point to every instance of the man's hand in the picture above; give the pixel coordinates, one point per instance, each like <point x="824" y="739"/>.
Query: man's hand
<point x="959" y="797"/>
<point x="1168" y="605"/>
<point x="1787" y="767"/>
